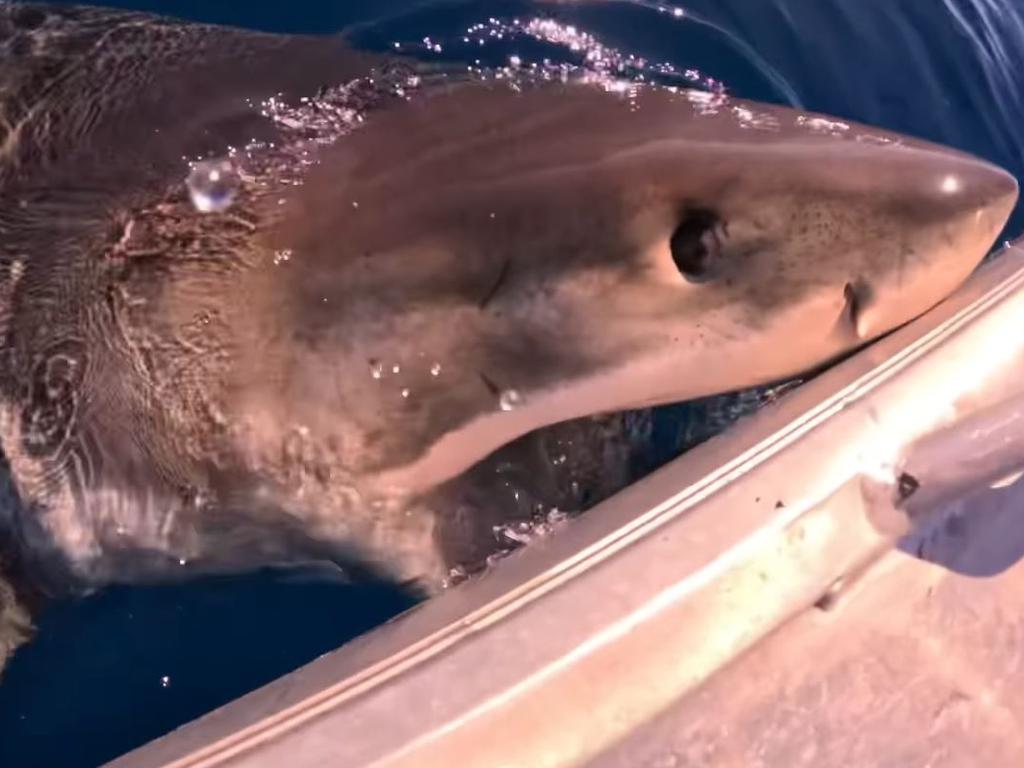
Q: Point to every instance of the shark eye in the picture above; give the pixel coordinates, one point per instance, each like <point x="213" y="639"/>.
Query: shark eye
<point x="696" y="244"/>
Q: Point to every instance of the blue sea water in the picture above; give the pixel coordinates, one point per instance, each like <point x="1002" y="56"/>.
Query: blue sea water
<point x="117" y="669"/>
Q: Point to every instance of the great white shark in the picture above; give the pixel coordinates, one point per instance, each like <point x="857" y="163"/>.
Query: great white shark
<point x="259" y="292"/>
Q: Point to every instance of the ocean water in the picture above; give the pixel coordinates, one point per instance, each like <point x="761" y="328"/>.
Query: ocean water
<point x="114" y="670"/>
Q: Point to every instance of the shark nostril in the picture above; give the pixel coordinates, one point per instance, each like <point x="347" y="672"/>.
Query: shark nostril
<point x="851" y="307"/>
<point x="857" y="297"/>
<point x="696" y="244"/>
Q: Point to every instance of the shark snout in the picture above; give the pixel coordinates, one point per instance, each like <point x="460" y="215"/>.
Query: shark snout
<point x="961" y="207"/>
<point x="982" y="191"/>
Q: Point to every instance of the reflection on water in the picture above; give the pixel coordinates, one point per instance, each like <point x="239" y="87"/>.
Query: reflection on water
<point x="118" y="668"/>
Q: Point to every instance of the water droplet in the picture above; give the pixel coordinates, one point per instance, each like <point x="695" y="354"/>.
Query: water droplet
<point x="213" y="184"/>
<point x="282" y="255"/>
<point x="509" y="400"/>
<point x="396" y="368"/>
<point x="435" y="369"/>
<point x="405" y="392"/>
<point x="376" y="369"/>
<point x="165" y="681"/>
<point x="355" y="204"/>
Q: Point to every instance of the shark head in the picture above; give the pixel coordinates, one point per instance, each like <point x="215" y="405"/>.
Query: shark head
<point x="483" y="262"/>
<point x="380" y="308"/>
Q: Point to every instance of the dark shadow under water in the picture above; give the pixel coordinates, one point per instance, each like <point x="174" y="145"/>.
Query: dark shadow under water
<point x="119" y="668"/>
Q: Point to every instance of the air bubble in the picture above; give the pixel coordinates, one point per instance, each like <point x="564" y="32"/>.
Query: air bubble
<point x="435" y="369"/>
<point x="509" y="400"/>
<point x="213" y="185"/>
<point x="376" y="369"/>
<point x="405" y="392"/>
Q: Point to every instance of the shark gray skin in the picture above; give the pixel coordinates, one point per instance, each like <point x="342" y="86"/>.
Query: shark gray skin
<point x="385" y="306"/>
